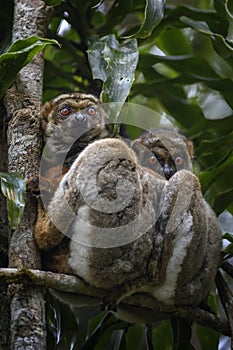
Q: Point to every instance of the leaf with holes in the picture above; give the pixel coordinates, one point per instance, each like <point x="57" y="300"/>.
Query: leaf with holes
<point x="114" y="63"/>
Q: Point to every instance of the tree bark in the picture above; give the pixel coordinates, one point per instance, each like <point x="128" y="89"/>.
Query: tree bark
<point x="23" y="102"/>
<point x="4" y="303"/>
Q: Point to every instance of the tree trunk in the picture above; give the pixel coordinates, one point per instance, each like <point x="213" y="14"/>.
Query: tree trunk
<point x="23" y="102"/>
<point x="4" y="303"/>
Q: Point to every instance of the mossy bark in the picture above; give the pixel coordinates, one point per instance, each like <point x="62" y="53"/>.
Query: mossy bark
<point x="23" y="102"/>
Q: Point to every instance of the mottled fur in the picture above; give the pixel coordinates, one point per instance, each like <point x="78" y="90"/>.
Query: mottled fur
<point x="65" y="138"/>
<point x="171" y="251"/>
<point x="165" y="151"/>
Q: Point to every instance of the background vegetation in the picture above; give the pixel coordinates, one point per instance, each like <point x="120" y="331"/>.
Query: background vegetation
<point x="175" y="57"/>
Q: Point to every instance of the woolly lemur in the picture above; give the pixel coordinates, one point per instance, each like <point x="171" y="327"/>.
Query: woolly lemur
<point x="130" y="229"/>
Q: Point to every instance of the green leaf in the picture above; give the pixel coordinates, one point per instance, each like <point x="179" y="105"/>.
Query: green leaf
<point x="61" y="324"/>
<point x="154" y="12"/>
<point x="174" y="42"/>
<point x="208" y="338"/>
<point x="228" y="251"/>
<point x="174" y="13"/>
<point x="192" y="65"/>
<point x="228" y="236"/>
<point x="101" y="329"/>
<point x="18" y="55"/>
<point x="185" y="111"/>
<point x="220" y="201"/>
<point x="182" y="333"/>
<point x="53" y="2"/>
<point x="222" y="46"/>
<point x="97" y="321"/>
<point x="217" y="185"/>
<point x="120" y="340"/>
<point x="209" y="176"/>
<point x="162" y="337"/>
<point x="226" y="10"/>
<point x="134" y="336"/>
<point x="212" y="135"/>
<point x="114" y="63"/>
<point x="13" y="187"/>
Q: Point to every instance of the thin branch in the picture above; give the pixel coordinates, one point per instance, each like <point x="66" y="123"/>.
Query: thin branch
<point x="61" y="282"/>
<point x="73" y="284"/>
<point x="205" y="319"/>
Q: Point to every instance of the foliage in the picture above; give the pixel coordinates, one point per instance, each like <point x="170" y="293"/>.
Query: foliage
<point x="18" y="55"/>
<point x="13" y="187"/>
<point x="114" y="64"/>
<point x="185" y="68"/>
<point x="184" y="72"/>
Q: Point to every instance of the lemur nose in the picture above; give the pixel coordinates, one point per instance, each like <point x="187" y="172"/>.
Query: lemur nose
<point x="80" y="117"/>
<point x="168" y="171"/>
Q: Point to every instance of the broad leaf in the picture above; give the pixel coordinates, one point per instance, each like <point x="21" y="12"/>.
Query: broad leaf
<point x="220" y="201"/>
<point x="13" y="187"/>
<point x="226" y="10"/>
<point x="101" y="329"/>
<point x="194" y="66"/>
<point x="222" y="46"/>
<point x="186" y="112"/>
<point x="154" y="12"/>
<point x="182" y="333"/>
<point x="134" y="337"/>
<point x="62" y="326"/>
<point x="18" y="55"/>
<point x="228" y="251"/>
<point x="114" y="63"/>
<point x="208" y="338"/>
<point x="228" y="236"/>
<point x="162" y="337"/>
<point x="210" y="176"/>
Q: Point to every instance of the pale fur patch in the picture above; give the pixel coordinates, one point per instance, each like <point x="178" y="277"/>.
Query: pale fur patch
<point x="183" y="234"/>
<point x="79" y="254"/>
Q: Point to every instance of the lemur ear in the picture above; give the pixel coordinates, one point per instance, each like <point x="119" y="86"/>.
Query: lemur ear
<point x="137" y="142"/>
<point x="189" y="145"/>
<point x="45" y="110"/>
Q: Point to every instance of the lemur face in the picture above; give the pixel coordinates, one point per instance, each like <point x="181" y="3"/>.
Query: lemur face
<point x="72" y="114"/>
<point x="164" y="151"/>
<point x="70" y="122"/>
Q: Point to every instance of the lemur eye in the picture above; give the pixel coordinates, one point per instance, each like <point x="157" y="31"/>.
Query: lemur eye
<point x="152" y="160"/>
<point x="64" y="111"/>
<point x="91" y="111"/>
<point x="179" y="160"/>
